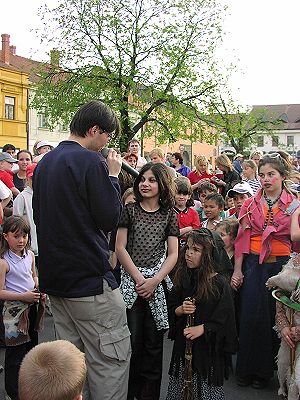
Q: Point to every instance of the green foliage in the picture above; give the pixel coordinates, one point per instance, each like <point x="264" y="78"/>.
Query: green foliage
<point x="150" y="60"/>
<point x="238" y="127"/>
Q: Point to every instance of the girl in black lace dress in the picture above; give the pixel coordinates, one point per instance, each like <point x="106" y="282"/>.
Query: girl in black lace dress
<point x="147" y="248"/>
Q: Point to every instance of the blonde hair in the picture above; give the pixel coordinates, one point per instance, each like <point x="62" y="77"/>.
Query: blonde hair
<point x="126" y="194"/>
<point x="52" y="371"/>
<point x="224" y="160"/>
<point x="295" y="175"/>
<point x="256" y="153"/>
<point x="158" y="152"/>
<point x="201" y="159"/>
<point x="252" y="165"/>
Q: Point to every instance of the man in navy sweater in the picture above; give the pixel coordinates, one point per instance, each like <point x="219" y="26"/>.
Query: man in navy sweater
<point x="76" y="202"/>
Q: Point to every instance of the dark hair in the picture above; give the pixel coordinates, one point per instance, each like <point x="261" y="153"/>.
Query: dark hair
<point x="207" y="186"/>
<point x="183" y="186"/>
<point x="166" y="186"/>
<point x="128" y="155"/>
<point x="24" y="151"/>
<point x="178" y="156"/>
<point x="14" y="224"/>
<point x="8" y="146"/>
<point x="218" y="198"/>
<point x="230" y="225"/>
<point x="278" y="162"/>
<point x="94" y="113"/>
<point x="205" y="287"/>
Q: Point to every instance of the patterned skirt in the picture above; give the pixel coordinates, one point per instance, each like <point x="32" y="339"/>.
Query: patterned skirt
<point x="201" y="389"/>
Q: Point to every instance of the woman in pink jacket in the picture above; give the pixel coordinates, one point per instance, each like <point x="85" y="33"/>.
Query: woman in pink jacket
<point x="262" y="246"/>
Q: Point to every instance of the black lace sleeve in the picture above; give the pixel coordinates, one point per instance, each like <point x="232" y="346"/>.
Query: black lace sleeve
<point x="125" y="216"/>
<point x="173" y="227"/>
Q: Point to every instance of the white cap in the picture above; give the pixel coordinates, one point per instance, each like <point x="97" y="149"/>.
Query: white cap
<point x="43" y="143"/>
<point x="240" y="188"/>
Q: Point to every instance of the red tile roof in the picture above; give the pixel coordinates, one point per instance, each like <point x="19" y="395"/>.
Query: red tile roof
<point x="22" y="64"/>
<point x="288" y="113"/>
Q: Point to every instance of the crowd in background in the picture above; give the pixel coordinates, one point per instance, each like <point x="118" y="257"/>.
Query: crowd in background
<point x="200" y="242"/>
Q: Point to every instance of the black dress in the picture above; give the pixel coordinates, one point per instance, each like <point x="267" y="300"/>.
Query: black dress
<point x="212" y="351"/>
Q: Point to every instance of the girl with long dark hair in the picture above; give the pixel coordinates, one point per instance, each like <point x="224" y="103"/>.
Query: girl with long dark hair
<point x="213" y="334"/>
<point x="147" y="248"/>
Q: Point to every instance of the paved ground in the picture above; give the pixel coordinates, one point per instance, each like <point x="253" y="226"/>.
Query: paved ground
<point x="233" y="392"/>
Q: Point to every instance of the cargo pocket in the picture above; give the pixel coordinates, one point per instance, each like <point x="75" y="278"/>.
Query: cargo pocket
<point x="115" y="344"/>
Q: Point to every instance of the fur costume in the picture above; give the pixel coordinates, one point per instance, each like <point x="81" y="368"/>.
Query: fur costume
<point x="287" y="280"/>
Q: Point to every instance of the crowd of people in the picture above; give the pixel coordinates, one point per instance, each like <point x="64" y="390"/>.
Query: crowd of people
<point x="121" y="259"/>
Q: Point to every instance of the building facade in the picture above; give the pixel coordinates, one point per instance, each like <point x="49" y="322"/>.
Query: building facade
<point x="28" y="126"/>
<point x="288" y="136"/>
<point x="14" y="86"/>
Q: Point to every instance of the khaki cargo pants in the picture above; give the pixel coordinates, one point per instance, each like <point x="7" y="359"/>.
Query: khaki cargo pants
<point x="97" y="325"/>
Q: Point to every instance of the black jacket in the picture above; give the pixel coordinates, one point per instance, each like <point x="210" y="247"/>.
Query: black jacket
<point x="75" y="203"/>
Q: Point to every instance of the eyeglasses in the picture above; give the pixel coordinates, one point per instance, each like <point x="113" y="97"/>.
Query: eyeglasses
<point x="110" y="135"/>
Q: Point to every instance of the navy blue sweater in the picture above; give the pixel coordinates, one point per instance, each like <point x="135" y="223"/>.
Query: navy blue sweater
<point x="75" y="203"/>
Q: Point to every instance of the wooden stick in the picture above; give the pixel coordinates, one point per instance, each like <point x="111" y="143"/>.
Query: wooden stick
<point x="292" y="351"/>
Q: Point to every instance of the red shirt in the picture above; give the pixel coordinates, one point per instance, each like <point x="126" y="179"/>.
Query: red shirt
<point x="194" y="177"/>
<point x="187" y="217"/>
<point x="7" y="179"/>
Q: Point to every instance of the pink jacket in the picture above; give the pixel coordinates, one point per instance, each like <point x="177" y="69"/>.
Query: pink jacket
<point x="251" y="219"/>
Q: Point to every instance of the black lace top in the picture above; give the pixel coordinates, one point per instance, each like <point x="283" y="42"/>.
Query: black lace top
<point x="147" y="233"/>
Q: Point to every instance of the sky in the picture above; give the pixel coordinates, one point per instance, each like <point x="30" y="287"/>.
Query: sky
<point x="261" y="41"/>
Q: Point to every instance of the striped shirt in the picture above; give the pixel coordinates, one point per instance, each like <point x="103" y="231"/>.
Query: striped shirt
<point x="254" y="184"/>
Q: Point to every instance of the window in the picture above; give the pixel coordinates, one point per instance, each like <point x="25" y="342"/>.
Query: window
<point x="275" y="141"/>
<point x="42" y="121"/>
<point x="260" y="141"/>
<point x="290" y="140"/>
<point x="9" y="107"/>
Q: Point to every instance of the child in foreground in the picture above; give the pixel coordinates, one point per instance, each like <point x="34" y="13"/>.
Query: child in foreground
<point x="52" y="371"/>
<point x="19" y="289"/>
<point x="213" y="334"/>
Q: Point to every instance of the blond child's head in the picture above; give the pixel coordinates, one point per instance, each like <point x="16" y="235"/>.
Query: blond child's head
<point x="157" y="155"/>
<point x="52" y="371"/>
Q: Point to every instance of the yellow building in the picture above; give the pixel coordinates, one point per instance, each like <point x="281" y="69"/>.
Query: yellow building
<point x="14" y="85"/>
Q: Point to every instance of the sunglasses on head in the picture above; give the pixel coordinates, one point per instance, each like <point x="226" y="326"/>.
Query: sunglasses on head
<point x="272" y="155"/>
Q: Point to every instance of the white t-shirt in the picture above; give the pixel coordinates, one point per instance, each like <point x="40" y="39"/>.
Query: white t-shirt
<point x="4" y="191"/>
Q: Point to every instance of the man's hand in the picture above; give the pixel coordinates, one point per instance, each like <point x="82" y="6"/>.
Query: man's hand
<point x="114" y="162"/>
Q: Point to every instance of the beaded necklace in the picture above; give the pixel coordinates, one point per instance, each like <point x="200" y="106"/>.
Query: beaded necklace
<point x="270" y="213"/>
